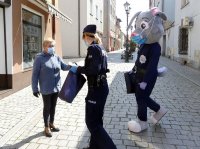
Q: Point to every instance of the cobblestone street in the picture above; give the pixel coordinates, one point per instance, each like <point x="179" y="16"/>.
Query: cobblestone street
<point x="21" y="122"/>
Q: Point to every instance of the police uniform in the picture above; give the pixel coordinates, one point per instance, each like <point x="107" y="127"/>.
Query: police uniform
<point x="146" y="71"/>
<point x="95" y="69"/>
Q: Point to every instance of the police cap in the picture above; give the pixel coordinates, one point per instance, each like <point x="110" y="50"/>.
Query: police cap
<point x="90" y="29"/>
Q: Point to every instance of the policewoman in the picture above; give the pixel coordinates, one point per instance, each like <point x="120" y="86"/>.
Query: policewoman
<point x="95" y="69"/>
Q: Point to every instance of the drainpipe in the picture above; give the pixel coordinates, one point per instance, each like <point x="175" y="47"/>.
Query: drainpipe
<point x="53" y="23"/>
<point x="79" y="29"/>
<point x="163" y="6"/>
<point x="6" y="63"/>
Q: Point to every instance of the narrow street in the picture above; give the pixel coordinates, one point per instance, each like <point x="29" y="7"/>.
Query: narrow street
<point x="21" y="122"/>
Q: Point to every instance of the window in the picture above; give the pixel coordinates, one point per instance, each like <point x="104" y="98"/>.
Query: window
<point x="32" y="37"/>
<point x="183" y="41"/>
<point x="91" y="7"/>
<point x="97" y="12"/>
<point x="101" y="16"/>
<point x="111" y="9"/>
<point x="184" y="3"/>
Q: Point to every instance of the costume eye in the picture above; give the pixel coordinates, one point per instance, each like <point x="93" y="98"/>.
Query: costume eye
<point x="144" y="25"/>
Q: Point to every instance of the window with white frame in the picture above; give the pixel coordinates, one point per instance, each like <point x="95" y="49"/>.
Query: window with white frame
<point x="184" y="3"/>
<point x="91" y="7"/>
<point x="97" y="12"/>
<point x="101" y="16"/>
<point x="111" y="9"/>
<point x="32" y="37"/>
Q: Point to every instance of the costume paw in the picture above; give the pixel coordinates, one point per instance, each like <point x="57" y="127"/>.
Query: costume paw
<point x="162" y="71"/>
<point x="156" y="117"/>
<point x="137" y="126"/>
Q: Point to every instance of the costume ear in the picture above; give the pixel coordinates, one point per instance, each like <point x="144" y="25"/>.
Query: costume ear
<point x="156" y="12"/>
<point x="133" y="18"/>
<point x="162" y="15"/>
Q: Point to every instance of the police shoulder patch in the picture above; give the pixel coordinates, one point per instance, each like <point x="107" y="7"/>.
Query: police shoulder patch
<point x="143" y="59"/>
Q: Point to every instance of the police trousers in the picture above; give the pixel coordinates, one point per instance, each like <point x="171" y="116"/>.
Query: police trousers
<point x="49" y="108"/>
<point x="143" y="100"/>
<point x="95" y="102"/>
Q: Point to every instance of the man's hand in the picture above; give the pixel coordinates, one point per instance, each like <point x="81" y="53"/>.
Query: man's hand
<point x="36" y="94"/>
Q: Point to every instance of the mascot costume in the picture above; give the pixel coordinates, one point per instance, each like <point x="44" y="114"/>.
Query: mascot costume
<point x="148" y="31"/>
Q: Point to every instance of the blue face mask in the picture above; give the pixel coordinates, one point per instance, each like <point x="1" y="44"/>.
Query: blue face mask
<point x="51" y="50"/>
<point x="138" y="39"/>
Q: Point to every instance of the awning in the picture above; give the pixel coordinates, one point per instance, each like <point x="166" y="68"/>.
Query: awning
<point x="43" y="4"/>
<point x="53" y="10"/>
<point x="5" y="3"/>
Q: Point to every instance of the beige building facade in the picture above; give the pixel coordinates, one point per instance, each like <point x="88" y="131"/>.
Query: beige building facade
<point x="180" y="42"/>
<point x="109" y="30"/>
<point x="82" y="13"/>
<point x="25" y="24"/>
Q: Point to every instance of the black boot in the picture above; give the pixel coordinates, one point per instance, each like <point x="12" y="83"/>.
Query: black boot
<point x="53" y="128"/>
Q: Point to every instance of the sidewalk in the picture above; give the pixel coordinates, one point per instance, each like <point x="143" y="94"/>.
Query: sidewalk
<point x="185" y="71"/>
<point x="21" y="123"/>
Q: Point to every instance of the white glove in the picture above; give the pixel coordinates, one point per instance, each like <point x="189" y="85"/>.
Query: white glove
<point x="143" y="85"/>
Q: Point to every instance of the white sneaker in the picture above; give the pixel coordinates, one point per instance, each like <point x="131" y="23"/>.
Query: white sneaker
<point x="156" y="117"/>
<point x="137" y="126"/>
<point x="162" y="71"/>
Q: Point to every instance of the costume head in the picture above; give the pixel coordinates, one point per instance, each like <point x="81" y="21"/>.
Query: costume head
<point x="148" y="26"/>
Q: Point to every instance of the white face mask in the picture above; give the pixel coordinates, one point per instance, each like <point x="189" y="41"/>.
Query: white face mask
<point x="51" y="50"/>
<point x="86" y="43"/>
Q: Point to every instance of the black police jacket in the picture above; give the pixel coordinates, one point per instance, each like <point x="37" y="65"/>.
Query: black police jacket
<point x="95" y="62"/>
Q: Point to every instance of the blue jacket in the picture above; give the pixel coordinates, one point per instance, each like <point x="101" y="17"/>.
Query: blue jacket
<point x="46" y="71"/>
<point x="147" y="60"/>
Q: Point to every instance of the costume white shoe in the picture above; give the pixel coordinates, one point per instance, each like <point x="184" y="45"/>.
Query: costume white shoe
<point x="137" y="126"/>
<point x="162" y="71"/>
<point x="156" y="117"/>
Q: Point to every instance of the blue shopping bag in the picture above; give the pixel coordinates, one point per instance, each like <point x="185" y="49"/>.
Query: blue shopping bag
<point x="72" y="85"/>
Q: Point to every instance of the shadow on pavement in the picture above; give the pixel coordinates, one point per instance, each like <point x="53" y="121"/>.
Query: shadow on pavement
<point x="23" y="142"/>
<point x="119" y="109"/>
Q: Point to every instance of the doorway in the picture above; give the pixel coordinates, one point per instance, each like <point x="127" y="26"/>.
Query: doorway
<point x="2" y="51"/>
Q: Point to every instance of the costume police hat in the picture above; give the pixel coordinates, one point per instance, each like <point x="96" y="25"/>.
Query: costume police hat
<point x="90" y="29"/>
